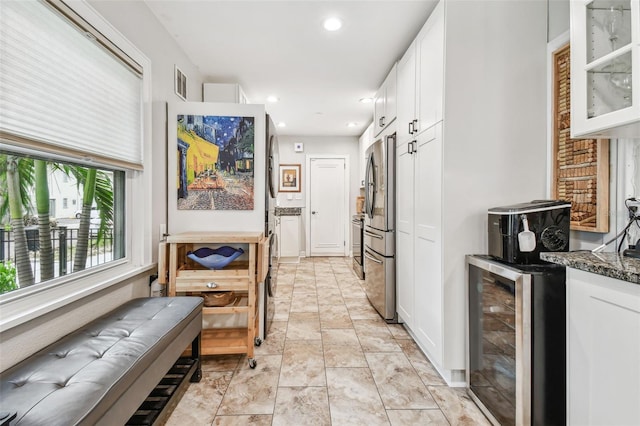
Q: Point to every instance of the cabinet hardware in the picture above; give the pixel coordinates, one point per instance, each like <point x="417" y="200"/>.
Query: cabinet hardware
<point x="382" y="120"/>
<point x="411" y="127"/>
<point x="409" y="148"/>
<point x="415" y="125"/>
<point x="212" y="285"/>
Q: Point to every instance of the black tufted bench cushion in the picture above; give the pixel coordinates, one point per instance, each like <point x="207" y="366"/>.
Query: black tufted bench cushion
<point x="101" y="373"/>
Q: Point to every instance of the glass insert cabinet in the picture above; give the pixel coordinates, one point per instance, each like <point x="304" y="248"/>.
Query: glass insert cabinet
<point x="605" y="62"/>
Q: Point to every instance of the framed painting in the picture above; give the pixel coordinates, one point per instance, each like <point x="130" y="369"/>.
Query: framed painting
<point x="215" y="162"/>
<point x="289" y="178"/>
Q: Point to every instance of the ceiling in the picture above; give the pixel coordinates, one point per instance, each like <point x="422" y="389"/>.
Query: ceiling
<point x="281" y="48"/>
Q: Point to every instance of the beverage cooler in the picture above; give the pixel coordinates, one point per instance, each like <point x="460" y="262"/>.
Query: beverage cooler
<point x="517" y="346"/>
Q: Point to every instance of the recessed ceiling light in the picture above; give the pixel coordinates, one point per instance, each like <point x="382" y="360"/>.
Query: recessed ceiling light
<point x="366" y="100"/>
<point x="332" y="24"/>
<point x="352" y="124"/>
<point x="272" y="99"/>
<point x="282" y="124"/>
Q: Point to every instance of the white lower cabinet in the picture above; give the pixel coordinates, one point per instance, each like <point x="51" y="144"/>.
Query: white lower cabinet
<point x="289" y="237"/>
<point x="603" y="350"/>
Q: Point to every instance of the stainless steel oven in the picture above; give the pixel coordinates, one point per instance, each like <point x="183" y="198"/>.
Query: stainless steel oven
<point x="516" y="363"/>
<point x="357" y="227"/>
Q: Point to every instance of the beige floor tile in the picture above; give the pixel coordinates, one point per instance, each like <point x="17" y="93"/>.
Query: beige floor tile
<point x="284" y="291"/>
<point x="340" y="337"/>
<point x="398" y="383"/>
<point x="254" y="420"/>
<point x="220" y="362"/>
<point x="353" y="398"/>
<point x="304" y="302"/>
<point x="274" y="343"/>
<point x="399" y="332"/>
<point x="417" y="417"/>
<point x="344" y="356"/>
<point x="307" y="406"/>
<point x="342" y="348"/>
<point x="424" y="368"/>
<point x="282" y="309"/>
<point x="458" y="407"/>
<point x="360" y="309"/>
<point x="302" y="364"/>
<point x="200" y="402"/>
<point x="375" y="336"/>
<point x="253" y="391"/>
<point x="334" y="316"/>
<point x="304" y="326"/>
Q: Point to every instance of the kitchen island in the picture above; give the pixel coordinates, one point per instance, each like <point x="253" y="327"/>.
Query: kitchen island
<point x="603" y="337"/>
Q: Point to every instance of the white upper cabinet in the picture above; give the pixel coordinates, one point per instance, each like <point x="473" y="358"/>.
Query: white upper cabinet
<point x="421" y="80"/>
<point x="605" y="60"/>
<point x="366" y="139"/>
<point x="407" y="115"/>
<point x="222" y="92"/>
<point x="384" y="106"/>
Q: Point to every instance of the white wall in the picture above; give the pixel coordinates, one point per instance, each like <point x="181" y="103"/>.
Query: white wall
<point x="338" y="145"/>
<point x="140" y="26"/>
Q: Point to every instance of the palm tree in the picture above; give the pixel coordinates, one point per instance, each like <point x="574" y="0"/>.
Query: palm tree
<point x="97" y="187"/>
<point x="44" y="226"/>
<point x="15" y="199"/>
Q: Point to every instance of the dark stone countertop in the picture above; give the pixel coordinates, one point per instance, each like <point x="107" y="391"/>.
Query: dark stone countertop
<point x="610" y="265"/>
<point x="288" y="211"/>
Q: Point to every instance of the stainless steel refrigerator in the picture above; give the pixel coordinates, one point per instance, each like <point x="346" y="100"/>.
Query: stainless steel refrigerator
<point x="379" y="224"/>
<point x="267" y="303"/>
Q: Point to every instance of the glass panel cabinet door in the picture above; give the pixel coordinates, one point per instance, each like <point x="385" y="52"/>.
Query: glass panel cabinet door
<point x="605" y="55"/>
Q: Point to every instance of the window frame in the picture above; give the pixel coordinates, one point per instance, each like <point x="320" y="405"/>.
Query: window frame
<point x="19" y="307"/>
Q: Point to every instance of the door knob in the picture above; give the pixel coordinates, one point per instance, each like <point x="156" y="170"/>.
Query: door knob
<point x="314" y="212"/>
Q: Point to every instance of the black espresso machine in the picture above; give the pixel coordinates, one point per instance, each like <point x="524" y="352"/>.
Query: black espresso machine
<point x="516" y="371"/>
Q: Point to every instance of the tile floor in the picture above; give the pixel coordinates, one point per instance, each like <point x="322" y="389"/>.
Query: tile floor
<point x="329" y="360"/>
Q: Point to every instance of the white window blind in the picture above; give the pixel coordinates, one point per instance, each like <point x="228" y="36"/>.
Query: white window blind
<point x="59" y="88"/>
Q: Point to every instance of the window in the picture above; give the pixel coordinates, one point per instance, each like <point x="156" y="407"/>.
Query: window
<point x="32" y="253"/>
<point x="72" y="97"/>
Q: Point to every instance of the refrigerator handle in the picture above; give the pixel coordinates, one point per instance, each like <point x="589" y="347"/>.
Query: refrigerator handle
<point x="368" y="256"/>
<point x="369" y="234"/>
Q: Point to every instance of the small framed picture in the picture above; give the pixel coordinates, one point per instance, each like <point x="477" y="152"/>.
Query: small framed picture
<point x="298" y="147"/>
<point x="289" y="178"/>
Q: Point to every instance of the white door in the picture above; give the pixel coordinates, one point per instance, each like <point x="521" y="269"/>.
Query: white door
<point x="327" y="207"/>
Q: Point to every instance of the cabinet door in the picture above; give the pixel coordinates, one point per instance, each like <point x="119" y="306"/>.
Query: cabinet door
<point x="603" y="333"/>
<point x="406" y="97"/>
<point x="378" y="111"/>
<point x="430" y="74"/>
<point x="428" y="242"/>
<point x="390" y="104"/>
<point x="404" y="234"/>
<point x="605" y="50"/>
<point x="289" y="236"/>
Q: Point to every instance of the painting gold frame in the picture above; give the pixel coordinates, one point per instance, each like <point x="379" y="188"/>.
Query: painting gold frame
<point x="289" y="177"/>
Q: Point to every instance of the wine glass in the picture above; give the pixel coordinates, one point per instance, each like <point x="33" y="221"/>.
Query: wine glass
<point x="612" y="24"/>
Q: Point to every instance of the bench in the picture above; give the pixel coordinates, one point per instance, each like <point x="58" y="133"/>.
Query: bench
<point x="102" y="372"/>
